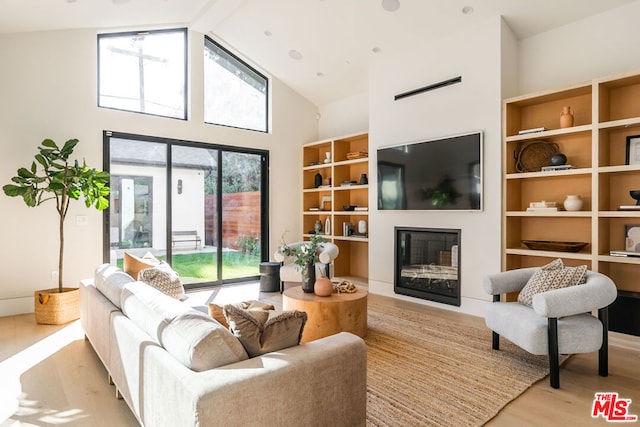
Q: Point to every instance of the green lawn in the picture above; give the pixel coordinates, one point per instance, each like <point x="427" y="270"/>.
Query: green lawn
<point x="197" y="267"/>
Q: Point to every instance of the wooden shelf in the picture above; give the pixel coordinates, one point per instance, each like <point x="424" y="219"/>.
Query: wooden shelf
<point x="353" y="259"/>
<point x="606" y="113"/>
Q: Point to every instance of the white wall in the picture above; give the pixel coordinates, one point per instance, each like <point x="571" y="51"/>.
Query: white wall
<point x="471" y="105"/>
<point x="344" y="117"/>
<point x="598" y="46"/>
<point x="48" y="84"/>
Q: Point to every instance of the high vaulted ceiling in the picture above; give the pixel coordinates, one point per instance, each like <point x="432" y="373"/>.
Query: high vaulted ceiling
<point x="334" y="40"/>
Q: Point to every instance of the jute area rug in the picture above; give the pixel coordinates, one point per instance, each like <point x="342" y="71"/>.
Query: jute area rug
<point x="426" y="371"/>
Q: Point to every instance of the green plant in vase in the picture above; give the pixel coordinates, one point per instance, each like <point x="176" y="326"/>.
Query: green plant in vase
<point x="305" y="256"/>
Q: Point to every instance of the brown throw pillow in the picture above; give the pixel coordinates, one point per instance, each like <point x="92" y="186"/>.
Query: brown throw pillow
<point x="260" y="333"/>
<point x="217" y="311"/>
<point x="133" y="264"/>
<point x="552" y="276"/>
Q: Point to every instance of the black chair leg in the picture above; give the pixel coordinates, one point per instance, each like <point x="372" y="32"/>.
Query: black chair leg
<point x="603" y="353"/>
<point x="495" y="344"/>
<point x="554" y="364"/>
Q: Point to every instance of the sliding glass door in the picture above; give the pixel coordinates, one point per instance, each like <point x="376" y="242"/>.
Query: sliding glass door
<point x="209" y="224"/>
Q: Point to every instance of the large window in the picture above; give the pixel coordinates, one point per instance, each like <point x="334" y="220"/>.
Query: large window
<point x="144" y="72"/>
<point x="200" y="207"/>
<point x="235" y="94"/>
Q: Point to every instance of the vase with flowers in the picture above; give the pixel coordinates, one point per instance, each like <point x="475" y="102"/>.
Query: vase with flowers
<point x="305" y="256"/>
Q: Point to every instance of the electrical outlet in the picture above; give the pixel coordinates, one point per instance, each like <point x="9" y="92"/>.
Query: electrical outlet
<point x="54" y="276"/>
<point x="81" y="220"/>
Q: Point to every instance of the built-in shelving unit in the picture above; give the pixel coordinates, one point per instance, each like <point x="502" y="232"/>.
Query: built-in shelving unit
<point x="606" y="113"/>
<point x="341" y="171"/>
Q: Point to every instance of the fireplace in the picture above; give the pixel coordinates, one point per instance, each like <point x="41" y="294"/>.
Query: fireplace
<point x="427" y="264"/>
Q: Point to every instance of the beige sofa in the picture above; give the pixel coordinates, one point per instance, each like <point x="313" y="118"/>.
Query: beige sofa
<point x="175" y="366"/>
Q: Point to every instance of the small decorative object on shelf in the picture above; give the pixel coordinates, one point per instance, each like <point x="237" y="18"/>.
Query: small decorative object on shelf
<point x="534" y="155"/>
<point x="550" y="245"/>
<point x="573" y="203"/>
<point x="362" y="227"/>
<point x="534" y="130"/>
<point x="318" y="227"/>
<point x="327" y="226"/>
<point x="542" y="206"/>
<point x="363" y="179"/>
<point x="566" y="117"/>
<point x="558" y="159"/>
<point x="635" y="195"/>
<point x="327" y="158"/>
<point x="317" y="180"/>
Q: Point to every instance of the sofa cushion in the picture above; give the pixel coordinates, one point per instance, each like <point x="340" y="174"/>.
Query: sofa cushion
<point x="194" y="339"/>
<point x="200" y="343"/>
<point x="262" y="332"/>
<point x="132" y="264"/>
<point x="217" y="311"/>
<point x="163" y="278"/>
<point x="552" y="276"/>
<point x="110" y="281"/>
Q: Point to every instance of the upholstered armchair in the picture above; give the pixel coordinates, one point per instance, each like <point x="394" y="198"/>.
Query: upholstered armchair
<point x="559" y="321"/>
<point x="290" y="272"/>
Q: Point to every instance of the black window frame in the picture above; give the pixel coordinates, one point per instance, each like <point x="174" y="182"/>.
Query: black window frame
<point x="170" y="142"/>
<point x="185" y="33"/>
<point x="249" y="70"/>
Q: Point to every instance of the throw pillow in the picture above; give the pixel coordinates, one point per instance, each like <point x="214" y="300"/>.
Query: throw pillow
<point x="217" y="311"/>
<point x="132" y="264"/>
<point x="552" y="276"/>
<point x="163" y="278"/>
<point x="261" y="333"/>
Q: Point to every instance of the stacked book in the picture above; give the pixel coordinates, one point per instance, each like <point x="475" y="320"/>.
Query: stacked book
<point x="556" y="168"/>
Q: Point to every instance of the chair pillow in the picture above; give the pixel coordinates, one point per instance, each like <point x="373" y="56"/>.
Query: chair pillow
<point x="217" y="311"/>
<point x="261" y="333"/>
<point x="132" y="264"/>
<point x="552" y="276"/>
<point x="163" y="278"/>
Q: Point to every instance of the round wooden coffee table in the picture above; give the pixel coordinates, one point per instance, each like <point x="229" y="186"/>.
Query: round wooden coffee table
<point x="329" y="315"/>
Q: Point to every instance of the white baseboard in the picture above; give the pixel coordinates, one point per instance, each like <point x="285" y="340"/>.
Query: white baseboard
<point x="472" y="306"/>
<point x="13" y="306"/>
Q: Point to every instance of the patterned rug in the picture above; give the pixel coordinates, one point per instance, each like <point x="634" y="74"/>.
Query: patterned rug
<point x="426" y="371"/>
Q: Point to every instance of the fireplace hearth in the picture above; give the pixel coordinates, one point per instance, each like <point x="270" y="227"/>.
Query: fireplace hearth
<point x="427" y="264"/>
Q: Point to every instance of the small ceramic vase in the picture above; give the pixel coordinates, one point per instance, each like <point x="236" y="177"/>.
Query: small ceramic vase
<point x="317" y="180"/>
<point x="323" y="287"/>
<point x="318" y="226"/>
<point x="573" y="203"/>
<point x="566" y="117"/>
<point x="327" y="226"/>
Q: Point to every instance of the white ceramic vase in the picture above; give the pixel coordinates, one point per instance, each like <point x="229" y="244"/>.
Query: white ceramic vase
<point x="573" y="203"/>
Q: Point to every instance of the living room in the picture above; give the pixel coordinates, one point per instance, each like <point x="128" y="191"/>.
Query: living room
<point x="49" y="90"/>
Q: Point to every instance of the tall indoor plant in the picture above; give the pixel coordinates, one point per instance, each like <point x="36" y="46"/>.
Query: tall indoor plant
<point x="62" y="180"/>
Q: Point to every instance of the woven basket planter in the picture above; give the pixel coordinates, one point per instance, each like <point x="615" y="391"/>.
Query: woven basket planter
<point x="54" y="308"/>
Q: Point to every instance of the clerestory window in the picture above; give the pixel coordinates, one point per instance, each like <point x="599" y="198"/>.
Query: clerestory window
<point x="235" y="94"/>
<point x="144" y="72"/>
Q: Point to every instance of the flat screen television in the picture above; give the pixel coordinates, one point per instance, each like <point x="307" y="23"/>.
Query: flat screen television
<point x="437" y="174"/>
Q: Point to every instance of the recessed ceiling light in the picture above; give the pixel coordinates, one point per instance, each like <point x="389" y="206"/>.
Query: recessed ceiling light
<point x="268" y="33"/>
<point x="320" y="74"/>
<point x="294" y="54"/>
<point x="376" y="49"/>
<point x="120" y="1"/>
<point x="391" y="5"/>
<point x="467" y="10"/>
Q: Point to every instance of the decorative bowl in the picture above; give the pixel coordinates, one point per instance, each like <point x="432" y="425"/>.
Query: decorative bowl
<point x="550" y="245"/>
<point x="635" y="195"/>
<point x="349" y="207"/>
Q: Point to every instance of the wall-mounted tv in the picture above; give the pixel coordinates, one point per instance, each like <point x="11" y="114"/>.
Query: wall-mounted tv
<point x="437" y="174"/>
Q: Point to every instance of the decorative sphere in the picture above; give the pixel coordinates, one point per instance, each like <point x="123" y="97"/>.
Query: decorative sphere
<point x="558" y="159"/>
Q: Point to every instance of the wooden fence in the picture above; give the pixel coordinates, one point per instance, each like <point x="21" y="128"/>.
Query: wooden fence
<point x="240" y="218"/>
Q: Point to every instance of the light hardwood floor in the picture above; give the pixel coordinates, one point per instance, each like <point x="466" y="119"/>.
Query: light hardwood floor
<point x="64" y="383"/>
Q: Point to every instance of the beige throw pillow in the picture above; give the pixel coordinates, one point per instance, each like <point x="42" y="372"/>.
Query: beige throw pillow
<point x="133" y="264"/>
<point x="259" y="333"/>
<point x="552" y="276"/>
<point x="163" y="278"/>
<point x="217" y="311"/>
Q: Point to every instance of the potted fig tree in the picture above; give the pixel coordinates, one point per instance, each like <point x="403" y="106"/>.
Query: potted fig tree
<point x="53" y="176"/>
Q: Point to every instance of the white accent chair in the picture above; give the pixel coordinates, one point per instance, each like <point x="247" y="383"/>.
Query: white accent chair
<point x="290" y="272"/>
<point x="560" y="322"/>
